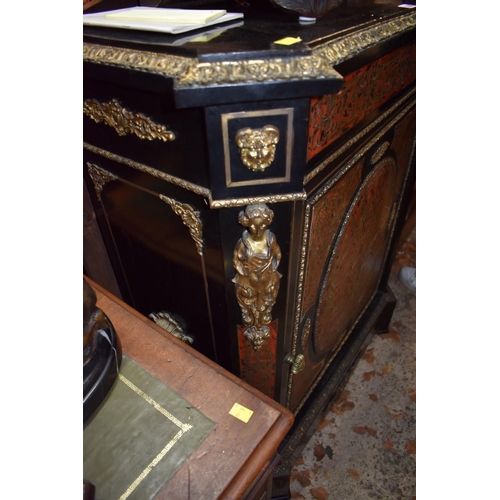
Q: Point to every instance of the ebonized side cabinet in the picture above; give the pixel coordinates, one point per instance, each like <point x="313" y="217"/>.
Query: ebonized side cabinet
<point x="249" y="194"/>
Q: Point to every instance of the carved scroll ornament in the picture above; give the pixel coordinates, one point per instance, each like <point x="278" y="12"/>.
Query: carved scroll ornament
<point x="125" y="121"/>
<point x="256" y="258"/>
<point x="257" y="146"/>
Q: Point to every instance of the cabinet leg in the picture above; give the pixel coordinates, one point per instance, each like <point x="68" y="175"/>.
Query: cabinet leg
<point x="385" y="316"/>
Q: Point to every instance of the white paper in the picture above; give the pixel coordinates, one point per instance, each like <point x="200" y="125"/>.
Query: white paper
<point x="174" y="16"/>
<point x="101" y="19"/>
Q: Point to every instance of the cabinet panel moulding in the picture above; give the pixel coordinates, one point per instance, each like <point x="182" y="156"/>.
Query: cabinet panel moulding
<point x="149" y="170"/>
<point x="276" y="198"/>
<point x="231" y="202"/>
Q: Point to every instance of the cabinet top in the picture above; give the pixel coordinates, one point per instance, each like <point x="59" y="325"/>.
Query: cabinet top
<point x="246" y="52"/>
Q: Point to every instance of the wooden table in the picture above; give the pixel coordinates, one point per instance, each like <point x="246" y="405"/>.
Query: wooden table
<point x="236" y="459"/>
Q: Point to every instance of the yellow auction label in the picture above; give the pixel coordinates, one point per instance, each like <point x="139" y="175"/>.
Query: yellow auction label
<point x="241" y="412"/>
<point x="289" y="40"/>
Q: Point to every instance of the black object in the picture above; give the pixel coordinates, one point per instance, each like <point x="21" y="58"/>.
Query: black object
<point x="88" y="491"/>
<point x="101" y="353"/>
<point x="101" y="371"/>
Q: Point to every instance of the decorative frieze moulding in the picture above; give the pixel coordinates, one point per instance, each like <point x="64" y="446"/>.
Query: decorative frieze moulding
<point x="343" y="48"/>
<point x="189" y="72"/>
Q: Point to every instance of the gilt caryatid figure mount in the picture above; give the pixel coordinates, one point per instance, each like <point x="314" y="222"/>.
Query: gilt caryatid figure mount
<point x="256" y="258"/>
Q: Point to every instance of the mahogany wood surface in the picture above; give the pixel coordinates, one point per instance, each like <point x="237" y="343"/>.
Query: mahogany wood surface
<point x="235" y="454"/>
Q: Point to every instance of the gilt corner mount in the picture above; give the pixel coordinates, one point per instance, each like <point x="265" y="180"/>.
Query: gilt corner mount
<point x="256" y="258"/>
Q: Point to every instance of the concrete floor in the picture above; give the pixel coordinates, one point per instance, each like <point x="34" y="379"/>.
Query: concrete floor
<point x="365" y="448"/>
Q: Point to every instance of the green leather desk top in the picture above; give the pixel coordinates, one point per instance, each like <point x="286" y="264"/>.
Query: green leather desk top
<point x="140" y="436"/>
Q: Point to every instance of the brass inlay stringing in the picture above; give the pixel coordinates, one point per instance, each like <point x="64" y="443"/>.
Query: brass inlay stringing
<point x="379" y="152"/>
<point x="125" y="121"/>
<point x="183" y="428"/>
<point x="298" y="363"/>
<point x="191" y="72"/>
<point x="306" y="331"/>
<point x="300" y="292"/>
<point x="168" y="323"/>
<point x="256" y="258"/>
<point x="100" y="177"/>
<point x="190" y="218"/>
<point x="257" y="146"/>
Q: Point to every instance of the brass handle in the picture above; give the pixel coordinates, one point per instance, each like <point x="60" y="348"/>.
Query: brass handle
<point x="125" y="121"/>
<point x="257" y="146"/>
<point x="298" y="363"/>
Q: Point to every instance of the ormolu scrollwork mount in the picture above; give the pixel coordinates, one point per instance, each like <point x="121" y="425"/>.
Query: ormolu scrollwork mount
<point x="101" y="354"/>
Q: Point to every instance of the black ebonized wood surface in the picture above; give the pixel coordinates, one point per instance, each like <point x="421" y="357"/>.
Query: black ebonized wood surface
<point x="253" y="36"/>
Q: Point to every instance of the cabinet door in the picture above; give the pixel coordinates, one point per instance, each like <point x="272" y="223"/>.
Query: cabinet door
<point x="348" y="231"/>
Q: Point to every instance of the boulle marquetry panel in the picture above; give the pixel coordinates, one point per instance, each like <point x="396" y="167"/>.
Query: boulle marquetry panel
<point x="326" y="215"/>
<point x="364" y="91"/>
<point x="259" y="367"/>
<point x="250" y="195"/>
<point x="355" y="260"/>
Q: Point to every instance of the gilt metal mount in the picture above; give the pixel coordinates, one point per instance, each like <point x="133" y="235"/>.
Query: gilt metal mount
<point x="298" y="363"/>
<point x="256" y="258"/>
<point x="257" y="146"/>
<point x="168" y="323"/>
<point x="125" y="121"/>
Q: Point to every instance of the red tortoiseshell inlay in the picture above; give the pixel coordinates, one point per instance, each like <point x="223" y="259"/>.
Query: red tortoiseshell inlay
<point x="258" y="368"/>
<point x="364" y="91"/>
<point x="356" y="259"/>
<point x="326" y="217"/>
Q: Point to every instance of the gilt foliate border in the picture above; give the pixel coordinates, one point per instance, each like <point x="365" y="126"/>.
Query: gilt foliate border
<point x="190" y="72"/>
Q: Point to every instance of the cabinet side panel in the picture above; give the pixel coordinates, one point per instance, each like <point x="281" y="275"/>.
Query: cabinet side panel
<point x="343" y="273"/>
